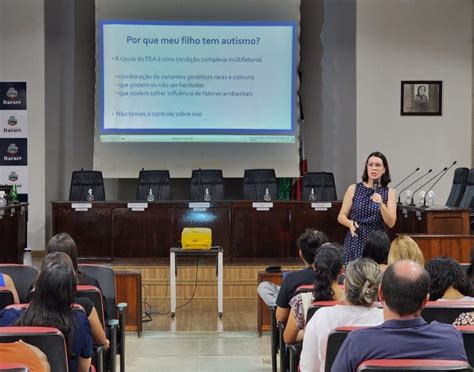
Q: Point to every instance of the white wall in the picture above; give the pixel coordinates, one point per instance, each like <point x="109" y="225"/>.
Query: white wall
<point x="414" y="40"/>
<point x="22" y="59"/>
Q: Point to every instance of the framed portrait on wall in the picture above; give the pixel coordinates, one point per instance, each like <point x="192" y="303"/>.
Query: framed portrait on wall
<point x="421" y="97"/>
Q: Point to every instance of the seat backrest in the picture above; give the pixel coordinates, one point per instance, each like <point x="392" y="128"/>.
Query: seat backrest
<point x="446" y="311"/>
<point x="458" y="187"/>
<point x="82" y="181"/>
<point x="13" y="367"/>
<point x="315" y="306"/>
<point x="256" y="181"/>
<point x="158" y="181"/>
<point x="95" y="296"/>
<point x="212" y="179"/>
<point x="468" y="338"/>
<point x="467" y="200"/>
<point x="6" y="297"/>
<point x="22" y="275"/>
<point x="106" y="278"/>
<point x="335" y="340"/>
<point x="380" y="365"/>
<point x="49" y="340"/>
<point x="323" y="185"/>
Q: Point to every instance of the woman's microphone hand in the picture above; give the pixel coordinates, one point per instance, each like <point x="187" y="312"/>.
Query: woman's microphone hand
<point x="376" y="198"/>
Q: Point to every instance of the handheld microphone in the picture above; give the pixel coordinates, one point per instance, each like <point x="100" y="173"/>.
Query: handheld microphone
<point x="376" y="185"/>
<point x="431" y="179"/>
<point x="412" y="173"/>
<point x="439" y="178"/>
<point x="411" y="184"/>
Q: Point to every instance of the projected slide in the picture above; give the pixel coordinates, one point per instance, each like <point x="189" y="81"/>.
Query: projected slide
<point x="202" y="82"/>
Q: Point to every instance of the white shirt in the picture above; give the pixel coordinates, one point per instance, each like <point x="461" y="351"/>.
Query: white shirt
<point x="313" y="355"/>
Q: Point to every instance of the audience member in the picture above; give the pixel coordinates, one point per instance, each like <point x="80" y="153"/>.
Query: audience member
<point x="328" y="265"/>
<point x="52" y="306"/>
<point x="362" y="279"/>
<point x="98" y="332"/>
<point x="272" y="294"/>
<point x="404" y="334"/>
<point x="7" y="282"/>
<point x="405" y="248"/>
<point x="468" y="318"/>
<point x="448" y="281"/>
<point x="64" y="243"/>
<point x="376" y="247"/>
<point x="21" y="352"/>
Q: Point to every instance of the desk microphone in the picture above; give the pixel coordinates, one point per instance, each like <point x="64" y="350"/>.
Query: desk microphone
<point x="411" y="184"/>
<point x="412" y="173"/>
<point x="431" y="179"/>
<point x="434" y="184"/>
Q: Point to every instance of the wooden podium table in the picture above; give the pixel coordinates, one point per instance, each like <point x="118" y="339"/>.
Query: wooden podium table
<point x="13" y="220"/>
<point x="121" y="230"/>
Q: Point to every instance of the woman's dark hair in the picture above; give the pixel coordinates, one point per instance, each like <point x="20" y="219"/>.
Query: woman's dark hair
<point x="53" y="297"/>
<point x="377" y="247"/>
<point x="309" y="242"/>
<point x="445" y="272"/>
<point x="385" y="179"/>
<point x="328" y="262"/>
<point x="63" y="243"/>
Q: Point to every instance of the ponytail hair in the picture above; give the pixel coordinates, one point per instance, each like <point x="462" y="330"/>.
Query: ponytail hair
<point x="328" y="263"/>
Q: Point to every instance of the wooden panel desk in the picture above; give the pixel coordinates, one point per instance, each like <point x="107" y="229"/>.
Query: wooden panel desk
<point x="435" y="220"/>
<point x="13" y="220"/>
<point x="111" y="230"/>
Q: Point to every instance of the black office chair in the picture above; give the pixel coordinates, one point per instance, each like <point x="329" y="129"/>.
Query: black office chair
<point x="158" y="181"/>
<point x="82" y="181"/>
<point x="323" y="185"/>
<point x="256" y="181"/>
<point x="459" y="185"/>
<point x="211" y="179"/>
<point x="467" y="200"/>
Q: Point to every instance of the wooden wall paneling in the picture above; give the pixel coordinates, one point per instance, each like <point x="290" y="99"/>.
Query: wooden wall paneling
<point x="304" y="217"/>
<point x="91" y="229"/>
<point x="265" y="234"/>
<point x="455" y="246"/>
<point x="152" y="233"/>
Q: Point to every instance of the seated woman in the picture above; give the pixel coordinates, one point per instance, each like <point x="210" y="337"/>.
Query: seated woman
<point x="328" y="265"/>
<point x="64" y="243"/>
<point x="361" y="284"/>
<point x="7" y="282"/>
<point x="376" y="248"/>
<point x="448" y="281"/>
<point x="405" y="248"/>
<point x="52" y="306"/>
<point x="98" y="332"/>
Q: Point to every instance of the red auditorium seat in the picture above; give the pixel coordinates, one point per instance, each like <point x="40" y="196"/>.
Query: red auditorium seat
<point x="423" y="365"/>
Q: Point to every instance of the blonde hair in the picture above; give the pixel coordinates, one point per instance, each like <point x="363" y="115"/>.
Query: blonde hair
<point x="405" y="248"/>
<point x="362" y="280"/>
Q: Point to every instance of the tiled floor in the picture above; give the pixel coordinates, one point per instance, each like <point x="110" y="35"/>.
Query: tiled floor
<point x="212" y="351"/>
<point x="197" y="340"/>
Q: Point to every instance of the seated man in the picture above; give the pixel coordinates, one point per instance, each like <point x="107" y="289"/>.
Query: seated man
<point x="272" y="294"/>
<point x="404" y="333"/>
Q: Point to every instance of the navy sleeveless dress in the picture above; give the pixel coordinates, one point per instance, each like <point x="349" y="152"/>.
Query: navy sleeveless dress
<point x="367" y="215"/>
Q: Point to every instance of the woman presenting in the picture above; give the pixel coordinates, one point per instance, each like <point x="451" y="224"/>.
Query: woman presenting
<point x="368" y="206"/>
